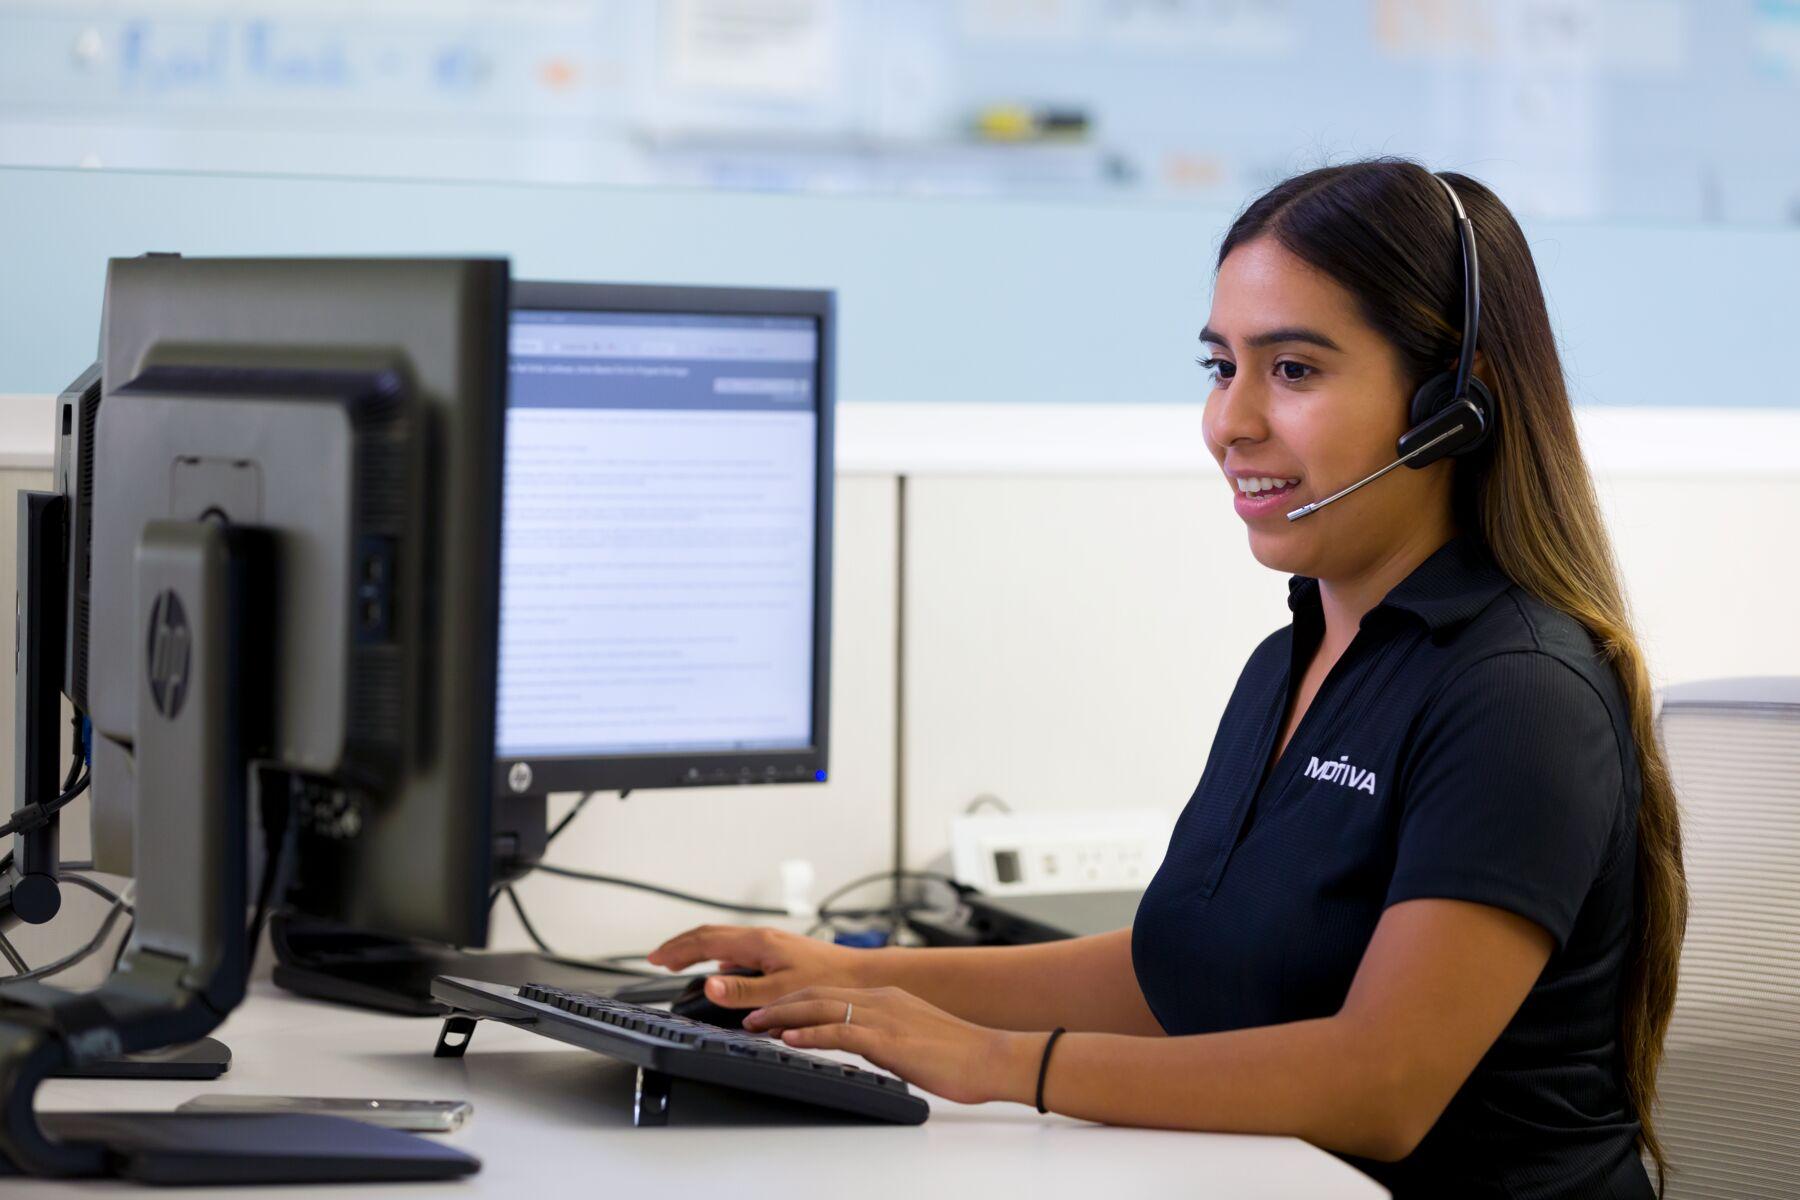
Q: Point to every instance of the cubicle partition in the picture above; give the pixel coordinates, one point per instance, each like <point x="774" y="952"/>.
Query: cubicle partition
<point x="1059" y="600"/>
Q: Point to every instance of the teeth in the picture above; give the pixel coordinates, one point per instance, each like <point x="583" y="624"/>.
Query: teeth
<point x="1263" y="483"/>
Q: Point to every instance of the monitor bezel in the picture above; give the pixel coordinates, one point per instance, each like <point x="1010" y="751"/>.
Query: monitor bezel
<point x="700" y="768"/>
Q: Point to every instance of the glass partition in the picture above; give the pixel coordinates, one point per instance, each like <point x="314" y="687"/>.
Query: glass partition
<point x="1662" y="110"/>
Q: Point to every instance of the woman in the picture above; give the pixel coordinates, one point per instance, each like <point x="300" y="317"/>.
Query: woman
<point x="1425" y="906"/>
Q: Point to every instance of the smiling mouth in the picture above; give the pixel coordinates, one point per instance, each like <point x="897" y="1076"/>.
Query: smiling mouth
<point x="1260" y="487"/>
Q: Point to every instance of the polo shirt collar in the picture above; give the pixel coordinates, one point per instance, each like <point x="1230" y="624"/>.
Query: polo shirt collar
<point x="1451" y="587"/>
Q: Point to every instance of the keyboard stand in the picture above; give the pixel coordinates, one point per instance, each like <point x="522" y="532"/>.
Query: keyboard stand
<point x="787" y="1084"/>
<point x="649" y="1101"/>
<point x="454" y="1038"/>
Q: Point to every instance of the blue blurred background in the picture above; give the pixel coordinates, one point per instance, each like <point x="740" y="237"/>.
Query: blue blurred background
<point x="1018" y="200"/>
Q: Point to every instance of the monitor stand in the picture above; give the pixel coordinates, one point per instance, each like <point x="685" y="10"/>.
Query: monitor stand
<point x="207" y="1058"/>
<point x="200" y="586"/>
<point x="344" y="966"/>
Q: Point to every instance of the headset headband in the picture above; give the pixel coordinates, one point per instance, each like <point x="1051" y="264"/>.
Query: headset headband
<point x="1465" y="233"/>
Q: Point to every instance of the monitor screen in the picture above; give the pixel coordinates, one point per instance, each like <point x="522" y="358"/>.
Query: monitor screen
<point x="659" y="565"/>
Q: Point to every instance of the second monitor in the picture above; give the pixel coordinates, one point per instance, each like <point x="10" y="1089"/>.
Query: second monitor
<point x="665" y="614"/>
<point x="666" y="538"/>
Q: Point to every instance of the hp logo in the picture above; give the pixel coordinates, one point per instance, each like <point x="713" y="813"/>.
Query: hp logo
<point x="169" y="652"/>
<point x="519" y="778"/>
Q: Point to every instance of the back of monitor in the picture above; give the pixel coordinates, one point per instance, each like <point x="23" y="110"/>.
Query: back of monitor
<point x="182" y="334"/>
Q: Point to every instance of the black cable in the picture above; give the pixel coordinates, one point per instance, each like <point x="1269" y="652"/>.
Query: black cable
<point x="77" y="751"/>
<point x="829" y="916"/>
<point x="896" y="876"/>
<point x="612" y="962"/>
<point x="581" y="802"/>
<point x="575" y="811"/>
<point x="68" y="864"/>
<point x="895" y="912"/>
<point x="99" y="889"/>
<point x="751" y="910"/>
<point x="68" y="792"/>
<point x="274" y="870"/>
<point x="279" y="828"/>
<point x="21" y="969"/>
<point x="615" y="962"/>
<point x="531" y="932"/>
<point x="32" y="816"/>
<point x="124" y="941"/>
<point x="757" y="910"/>
<point x="70" y="959"/>
<point x="12" y="956"/>
<point x="754" y="910"/>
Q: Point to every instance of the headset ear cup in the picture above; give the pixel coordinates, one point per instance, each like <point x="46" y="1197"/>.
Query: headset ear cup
<point x="1453" y="430"/>
<point x="1432" y="396"/>
<point x="1483" y="399"/>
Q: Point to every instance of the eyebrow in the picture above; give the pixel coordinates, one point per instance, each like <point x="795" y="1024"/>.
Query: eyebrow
<point x="1274" y="337"/>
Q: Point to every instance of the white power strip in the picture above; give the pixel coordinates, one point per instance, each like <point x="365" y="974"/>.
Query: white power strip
<point x="1095" y="850"/>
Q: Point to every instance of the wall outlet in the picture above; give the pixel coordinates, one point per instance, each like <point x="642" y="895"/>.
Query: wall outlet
<point x="1095" y="850"/>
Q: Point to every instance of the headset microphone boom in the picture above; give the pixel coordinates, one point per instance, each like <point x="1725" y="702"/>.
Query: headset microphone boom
<point x="1451" y="411"/>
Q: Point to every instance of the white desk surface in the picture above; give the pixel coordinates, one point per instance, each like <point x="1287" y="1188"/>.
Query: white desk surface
<point x="551" y="1118"/>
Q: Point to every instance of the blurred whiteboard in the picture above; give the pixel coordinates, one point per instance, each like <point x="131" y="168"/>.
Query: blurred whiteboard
<point x="1637" y="110"/>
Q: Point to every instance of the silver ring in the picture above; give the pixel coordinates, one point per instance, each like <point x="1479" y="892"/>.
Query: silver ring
<point x="848" y="1009"/>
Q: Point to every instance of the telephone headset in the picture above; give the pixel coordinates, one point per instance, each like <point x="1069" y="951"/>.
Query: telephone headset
<point x="1452" y="411"/>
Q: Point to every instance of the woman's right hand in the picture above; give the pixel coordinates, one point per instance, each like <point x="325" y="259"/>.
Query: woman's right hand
<point x="788" y="962"/>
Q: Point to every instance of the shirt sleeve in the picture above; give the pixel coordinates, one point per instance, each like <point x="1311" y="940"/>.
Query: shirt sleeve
<point x="1511" y="793"/>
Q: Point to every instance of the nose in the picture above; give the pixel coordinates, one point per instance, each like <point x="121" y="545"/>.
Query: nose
<point x="1235" y="414"/>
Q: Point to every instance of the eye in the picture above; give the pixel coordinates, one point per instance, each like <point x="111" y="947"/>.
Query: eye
<point x="1221" y="369"/>
<point x="1294" y="372"/>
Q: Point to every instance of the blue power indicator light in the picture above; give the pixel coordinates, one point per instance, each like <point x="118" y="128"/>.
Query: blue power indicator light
<point x="819" y="776"/>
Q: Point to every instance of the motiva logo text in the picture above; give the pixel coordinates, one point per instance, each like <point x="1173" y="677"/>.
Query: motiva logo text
<point x="1342" y="773"/>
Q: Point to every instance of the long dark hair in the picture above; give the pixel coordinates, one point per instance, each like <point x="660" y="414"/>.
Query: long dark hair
<point x="1382" y="229"/>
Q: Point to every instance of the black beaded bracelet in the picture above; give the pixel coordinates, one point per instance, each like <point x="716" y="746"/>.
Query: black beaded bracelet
<point x="1044" y="1066"/>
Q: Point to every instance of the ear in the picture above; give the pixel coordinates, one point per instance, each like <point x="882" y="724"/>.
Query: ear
<point x="1480" y="368"/>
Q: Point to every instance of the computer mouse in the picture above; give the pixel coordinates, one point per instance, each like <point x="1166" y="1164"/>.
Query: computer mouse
<point x="693" y="1004"/>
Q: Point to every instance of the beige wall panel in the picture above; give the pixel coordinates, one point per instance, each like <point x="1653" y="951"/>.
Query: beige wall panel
<point x="1070" y="641"/>
<point x="1711" y="570"/>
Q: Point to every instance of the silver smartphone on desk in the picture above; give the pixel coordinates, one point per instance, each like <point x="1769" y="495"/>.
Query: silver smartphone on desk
<point x="414" y="1116"/>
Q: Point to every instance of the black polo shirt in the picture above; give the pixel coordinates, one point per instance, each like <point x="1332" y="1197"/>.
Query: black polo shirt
<point x="1471" y="745"/>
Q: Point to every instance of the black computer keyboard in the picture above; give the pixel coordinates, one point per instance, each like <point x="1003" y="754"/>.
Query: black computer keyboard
<point x="668" y="1045"/>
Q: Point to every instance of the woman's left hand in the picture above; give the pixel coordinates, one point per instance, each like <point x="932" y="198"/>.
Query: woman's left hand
<point x="899" y="1032"/>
